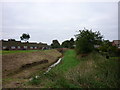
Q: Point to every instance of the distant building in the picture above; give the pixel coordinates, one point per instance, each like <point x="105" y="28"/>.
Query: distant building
<point x="11" y="44"/>
<point x="116" y="43"/>
<point x="96" y="46"/>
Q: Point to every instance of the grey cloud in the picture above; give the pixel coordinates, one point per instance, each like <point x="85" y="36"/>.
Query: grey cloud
<point x="48" y="21"/>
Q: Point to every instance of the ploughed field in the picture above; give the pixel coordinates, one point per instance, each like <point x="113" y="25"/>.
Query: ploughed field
<point x="20" y="65"/>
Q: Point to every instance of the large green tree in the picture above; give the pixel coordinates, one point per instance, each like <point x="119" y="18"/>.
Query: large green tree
<point x="55" y="44"/>
<point x="86" y="39"/>
<point x="25" y="37"/>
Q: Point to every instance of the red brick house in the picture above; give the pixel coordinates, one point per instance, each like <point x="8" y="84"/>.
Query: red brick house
<point x="12" y="44"/>
<point x="116" y="43"/>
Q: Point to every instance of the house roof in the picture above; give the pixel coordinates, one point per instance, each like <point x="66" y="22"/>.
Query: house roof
<point x="19" y="43"/>
<point x="116" y="41"/>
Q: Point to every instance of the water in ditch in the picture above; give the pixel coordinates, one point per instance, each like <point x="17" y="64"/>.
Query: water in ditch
<point x="50" y="67"/>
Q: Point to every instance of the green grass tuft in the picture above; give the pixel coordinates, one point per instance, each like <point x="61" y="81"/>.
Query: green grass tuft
<point x="35" y="81"/>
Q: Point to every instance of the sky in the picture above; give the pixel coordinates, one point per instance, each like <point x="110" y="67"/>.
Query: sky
<point x="47" y="21"/>
<point x="119" y="21"/>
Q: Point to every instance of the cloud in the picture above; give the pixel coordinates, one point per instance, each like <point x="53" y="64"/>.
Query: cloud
<point x="48" y="21"/>
<point x="59" y="1"/>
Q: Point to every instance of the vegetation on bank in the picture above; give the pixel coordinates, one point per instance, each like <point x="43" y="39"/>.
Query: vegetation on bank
<point x="15" y="51"/>
<point x="93" y="71"/>
<point x="55" y="78"/>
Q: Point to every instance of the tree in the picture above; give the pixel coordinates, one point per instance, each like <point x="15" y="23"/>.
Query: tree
<point x="11" y="39"/>
<point x="72" y="42"/>
<point x="68" y="43"/>
<point x="55" y="44"/>
<point x="86" y="39"/>
<point x="25" y="37"/>
<point x="107" y="48"/>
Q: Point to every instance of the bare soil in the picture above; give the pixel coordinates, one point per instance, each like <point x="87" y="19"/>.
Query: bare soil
<point x="18" y="67"/>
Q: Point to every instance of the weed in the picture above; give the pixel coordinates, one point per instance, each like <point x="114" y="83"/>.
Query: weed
<point x="35" y="81"/>
<point x="92" y="71"/>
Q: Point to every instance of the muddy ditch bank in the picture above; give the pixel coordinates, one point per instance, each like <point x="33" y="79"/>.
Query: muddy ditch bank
<point x="17" y="62"/>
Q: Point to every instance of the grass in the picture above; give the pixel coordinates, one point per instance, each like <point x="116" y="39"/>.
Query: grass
<point x="15" y="51"/>
<point x="93" y="71"/>
<point x="115" y="58"/>
<point x="69" y="61"/>
<point x="19" y="51"/>
<point x="55" y="78"/>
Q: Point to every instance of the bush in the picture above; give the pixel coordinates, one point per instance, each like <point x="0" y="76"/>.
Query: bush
<point x="109" y="49"/>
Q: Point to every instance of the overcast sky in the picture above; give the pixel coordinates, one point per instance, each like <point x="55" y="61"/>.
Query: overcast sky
<point x="54" y="20"/>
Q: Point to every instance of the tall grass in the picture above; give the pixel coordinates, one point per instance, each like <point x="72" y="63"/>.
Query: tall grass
<point x="93" y="71"/>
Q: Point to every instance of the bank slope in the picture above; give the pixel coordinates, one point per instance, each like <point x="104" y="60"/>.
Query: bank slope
<point x="93" y="71"/>
<point x="19" y="66"/>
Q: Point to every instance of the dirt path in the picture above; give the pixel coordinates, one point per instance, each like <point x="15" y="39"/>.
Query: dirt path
<point x="18" y="67"/>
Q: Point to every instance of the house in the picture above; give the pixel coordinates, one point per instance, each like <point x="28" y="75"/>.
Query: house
<point x="96" y="46"/>
<point x="116" y="43"/>
<point x="12" y="44"/>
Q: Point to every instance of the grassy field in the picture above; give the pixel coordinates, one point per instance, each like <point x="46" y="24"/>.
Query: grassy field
<point x="93" y="71"/>
<point x="16" y="51"/>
